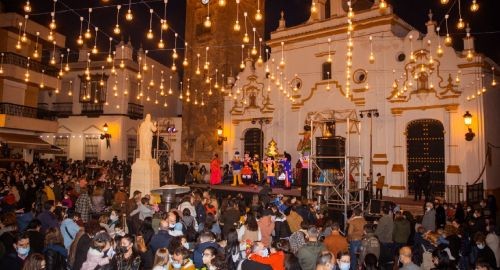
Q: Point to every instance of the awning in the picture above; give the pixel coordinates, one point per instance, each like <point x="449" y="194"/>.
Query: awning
<point x="24" y="141"/>
<point x="53" y="150"/>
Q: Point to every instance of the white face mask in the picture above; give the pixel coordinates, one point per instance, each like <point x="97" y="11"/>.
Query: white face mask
<point x="480" y="246"/>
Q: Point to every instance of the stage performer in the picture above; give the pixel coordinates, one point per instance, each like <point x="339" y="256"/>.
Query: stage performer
<point x="269" y="166"/>
<point x="246" y="170"/>
<point x="256" y="167"/>
<point x="286" y="162"/>
<point x="215" y="172"/>
<point x="236" y="165"/>
<point x="304" y="147"/>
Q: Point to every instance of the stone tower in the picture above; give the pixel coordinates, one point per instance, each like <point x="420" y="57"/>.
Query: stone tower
<point x="199" y="140"/>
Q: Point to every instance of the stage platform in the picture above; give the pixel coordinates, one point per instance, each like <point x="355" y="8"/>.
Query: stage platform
<point x="294" y="191"/>
<point x="406" y="203"/>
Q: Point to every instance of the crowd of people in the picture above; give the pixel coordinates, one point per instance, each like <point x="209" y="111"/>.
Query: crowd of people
<point x="55" y="215"/>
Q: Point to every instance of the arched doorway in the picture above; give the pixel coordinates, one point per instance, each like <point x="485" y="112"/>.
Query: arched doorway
<point x="254" y="140"/>
<point x="425" y="147"/>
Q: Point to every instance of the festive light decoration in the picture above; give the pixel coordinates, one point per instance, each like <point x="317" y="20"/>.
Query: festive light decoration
<point x="79" y="41"/>
<point x="1" y="63"/>
<point x="52" y="24"/>
<point x="371" y="58"/>
<point x="164" y="24"/>
<point x="150" y="34"/>
<point x="474" y="7"/>
<point x="35" y="53"/>
<point x="27" y="7"/>
<point x="185" y="62"/>
<point x="117" y="30"/>
<point x="207" y="22"/>
<point x="254" y="48"/>
<point x="94" y="49"/>
<point x="237" y="26"/>
<point x="129" y="16"/>
<point x="88" y="34"/>
<point x="258" y="14"/>
<point x="382" y="6"/>
<point x="461" y="23"/>
<point x="444" y="2"/>
<point x="246" y="38"/>
<point x="447" y="40"/>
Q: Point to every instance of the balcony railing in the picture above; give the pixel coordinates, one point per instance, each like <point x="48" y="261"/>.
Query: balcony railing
<point x="135" y="111"/>
<point x="62" y="109"/>
<point x="92" y="109"/>
<point x="25" y="111"/>
<point x="11" y="58"/>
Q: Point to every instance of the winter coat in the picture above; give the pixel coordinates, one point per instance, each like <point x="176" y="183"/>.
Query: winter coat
<point x="429" y="220"/>
<point x="94" y="258"/>
<point x="55" y="257"/>
<point x="385" y="228"/>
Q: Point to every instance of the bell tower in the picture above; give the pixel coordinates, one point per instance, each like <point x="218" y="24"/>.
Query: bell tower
<point x="219" y="47"/>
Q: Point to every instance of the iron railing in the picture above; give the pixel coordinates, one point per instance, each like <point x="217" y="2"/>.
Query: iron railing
<point x="25" y="111"/>
<point x="92" y="109"/>
<point x="62" y="109"/>
<point x="15" y="59"/>
<point x="135" y="111"/>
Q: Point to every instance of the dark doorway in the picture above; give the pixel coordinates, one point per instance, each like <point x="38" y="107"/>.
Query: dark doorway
<point x="425" y="147"/>
<point x="254" y="139"/>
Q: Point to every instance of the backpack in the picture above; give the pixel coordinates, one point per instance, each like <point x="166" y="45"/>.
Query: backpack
<point x="189" y="231"/>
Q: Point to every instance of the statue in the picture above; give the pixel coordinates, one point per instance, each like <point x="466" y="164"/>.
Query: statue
<point x="146" y="130"/>
<point x="145" y="170"/>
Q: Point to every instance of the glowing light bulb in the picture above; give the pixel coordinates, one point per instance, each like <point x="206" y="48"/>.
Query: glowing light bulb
<point x="95" y="50"/>
<point x="474" y="6"/>
<point x="185" y="62"/>
<point x="448" y="40"/>
<point x="246" y="38"/>
<point x="371" y="59"/>
<point x="260" y="61"/>
<point x="35" y="54"/>
<point x="122" y="64"/>
<point x="236" y="26"/>
<point x="207" y="22"/>
<point x="254" y="51"/>
<point x="109" y="59"/>
<point x="79" y="41"/>
<point x="50" y="37"/>
<point x="282" y="64"/>
<point x="174" y="67"/>
<point x="222" y="3"/>
<point x="382" y="6"/>
<point x="493" y="82"/>
<point x="198" y="72"/>
<point x="27" y="7"/>
<point x="161" y="44"/>
<point x="174" y="54"/>
<point x="150" y="34"/>
<point x="314" y="9"/>
<point x="117" y="30"/>
<point x="164" y="25"/>
<point x="258" y="15"/>
<point x="24" y="38"/>
<point x="444" y="2"/>
<point x="242" y="65"/>
<point x="66" y="68"/>
<point x="470" y="55"/>
<point x="87" y="34"/>
<point x="460" y="24"/>
<point x="129" y="16"/>
<point x="53" y="24"/>
<point x="53" y="60"/>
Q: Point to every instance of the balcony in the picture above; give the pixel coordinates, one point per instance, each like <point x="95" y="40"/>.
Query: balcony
<point x="92" y="109"/>
<point x="15" y="59"/>
<point x="21" y="117"/>
<point x="135" y="111"/>
<point x="62" y="109"/>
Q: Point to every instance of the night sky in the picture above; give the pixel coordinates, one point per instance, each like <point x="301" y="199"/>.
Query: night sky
<point x="485" y="24"/>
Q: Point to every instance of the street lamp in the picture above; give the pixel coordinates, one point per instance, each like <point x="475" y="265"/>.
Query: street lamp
<point x="106" y="135"/>
<point x="469" y="136"/>
<point x="220" y="138"/>
<point x="372" y="113"/>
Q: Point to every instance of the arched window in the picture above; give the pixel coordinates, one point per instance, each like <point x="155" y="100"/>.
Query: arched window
<point x="326" y="71"/>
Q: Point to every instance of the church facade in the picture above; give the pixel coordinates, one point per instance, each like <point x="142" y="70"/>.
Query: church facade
<point x="406" y="94"/>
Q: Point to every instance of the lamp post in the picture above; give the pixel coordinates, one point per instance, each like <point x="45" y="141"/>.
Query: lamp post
<point x="469" y="136"/>
<point x="220" y="137"/>
<point x="261" y="121"/>
<point x="372" y="113"/>
<point x="106" y="136"/>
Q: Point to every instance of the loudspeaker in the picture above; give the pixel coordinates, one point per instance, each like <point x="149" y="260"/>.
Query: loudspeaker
<point x="330" y="146"/>
<point x="376" y="206"/>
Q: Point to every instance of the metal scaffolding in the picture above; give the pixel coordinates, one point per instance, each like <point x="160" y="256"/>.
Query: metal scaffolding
<point x="341" y="188"/>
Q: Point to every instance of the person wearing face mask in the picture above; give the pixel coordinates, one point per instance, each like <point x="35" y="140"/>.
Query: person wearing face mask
<point x="181" y="259"/>
<point x="161" y="260"/>
<point x="429" y="219"/>
<point x="308" y="253"/>
<point x="15" y="260"/>
<point x="405" y="256"/>
<point x="162" y="238"/>
<point x="271" y="257"/>
<point x="126" y="258"/>
<point x="481" y="252"/>
<point x="343" y="260"/>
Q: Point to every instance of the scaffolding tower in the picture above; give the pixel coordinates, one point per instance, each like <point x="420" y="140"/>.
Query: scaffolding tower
<point x="341" y="188"/>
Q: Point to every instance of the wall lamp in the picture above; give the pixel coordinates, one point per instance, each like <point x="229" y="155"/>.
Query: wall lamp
<point x="220" y="138"/>
<point x="106" y="136"/>
<point x="469" y="136"/>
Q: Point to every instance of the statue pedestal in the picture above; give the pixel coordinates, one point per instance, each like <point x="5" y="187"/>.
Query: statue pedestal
<point x="145" y="176"/>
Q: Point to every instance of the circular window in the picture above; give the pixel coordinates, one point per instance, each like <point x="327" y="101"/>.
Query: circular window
<point x="360" y="76"/>
<point x="400" y="56"/>
<point x="296" y="84"/>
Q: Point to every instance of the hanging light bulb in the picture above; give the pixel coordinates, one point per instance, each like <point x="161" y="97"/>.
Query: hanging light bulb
<point x="258" y="14"/>
<point x="444" y="2"/>
<point x="460" y="24"/>
<point x="150" y="34"/>
<point x="164" y="25"/>
<point x="207" y="22"/>
<point x="470" y="55"/>
<point x="236" y="26"/>
<point x="314" y="9"/>
<point x="474" y="6"/>
<point x="27" y="7"/>
<point x="129" y="16"/>
<point x="439" y="51"/>
<point x="222" y="3"/>
<point x="52" y="24"/>
<point x="382" y="6"/>
<point x="88" y="34"/>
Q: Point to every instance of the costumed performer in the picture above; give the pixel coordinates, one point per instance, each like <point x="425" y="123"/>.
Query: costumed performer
<point x="215" y="172"/>
<point x="246" y="171"/>
<point x="269" y="166"/>
<point x="236" y="164"/>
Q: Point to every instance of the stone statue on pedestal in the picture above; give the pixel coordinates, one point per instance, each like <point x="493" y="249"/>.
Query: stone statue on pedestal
<point x="145" y="170"/>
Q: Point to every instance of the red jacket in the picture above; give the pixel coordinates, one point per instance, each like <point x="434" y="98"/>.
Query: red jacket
<point x="275" y="260"/>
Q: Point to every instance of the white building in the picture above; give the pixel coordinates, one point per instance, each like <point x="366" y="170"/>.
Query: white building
<point x="420" y="97"/>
